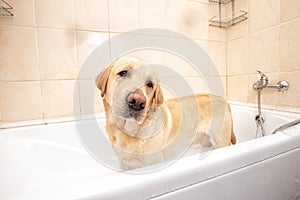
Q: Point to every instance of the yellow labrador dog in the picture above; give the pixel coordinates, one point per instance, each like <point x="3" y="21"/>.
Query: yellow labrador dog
<point x="145" y="129"/>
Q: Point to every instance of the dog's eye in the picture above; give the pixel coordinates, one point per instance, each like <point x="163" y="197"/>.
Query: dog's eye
<point x="123" y="73"/>
<point x="149" y="84"/>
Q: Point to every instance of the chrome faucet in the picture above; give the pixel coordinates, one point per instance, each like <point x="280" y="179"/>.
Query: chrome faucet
<point x="258" y="86"/>
<point x="264" y="83"/>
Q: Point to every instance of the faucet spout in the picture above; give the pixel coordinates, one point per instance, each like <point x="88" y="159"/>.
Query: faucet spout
<point x="262" y="75"/>
<point x="264" y="83"/>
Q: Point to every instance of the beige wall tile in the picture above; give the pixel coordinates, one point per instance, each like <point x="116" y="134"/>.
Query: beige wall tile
<point x="90" y="97"/>
<point x="87" y="42"/>
<point x="153" y="58"/>
<point x="237" y="56"/>
<point x="184" y="86"/>
<point x="216" y="85"/>
<point x="240" y="29"/>
<point x="181" y="86"/>
<point x="204" y="44"/>
<point x="123" y="15"/>
<point x="217" y="52"/>
<point x="290" y="46"/>
<point x="263" y="14"/>
<point x="240" y="5"/>
<point x="268" y="95"/>
<point x="187" y="17"/>
<point x="57" y="54"/>
<point x="291" y="97"/>
<point x="237" y="89"/>
<point x="162" y="57"/>
<point x="23" y="13"/>
<point x="60" y="98"/>
<point x="93" y="53"/>
<point x="217" y="34"/>
<point x="171" y="62"/>
<point x="91" y="15"/>
<point x="18" y="57"/>
<point x="149" y="57"/>
<point x="161" y="62"/>
<point x="289" y="9"/>
<point x="174" y="62"/>
<point x="213" y="10"/>
<point x="224" y="82"/>
<point x="54" y="13"/>
<point x="152" y="14"/>
<point x="202" y="85"/>
<point x="200" y="1"/>
<point x="179" y="65"/>
<point x="20" y="101"/>
<point x="129" y="42"/>
<point x="264" y="51"/>
<point x="198" y="85"/>
<point x="237" y="31"/>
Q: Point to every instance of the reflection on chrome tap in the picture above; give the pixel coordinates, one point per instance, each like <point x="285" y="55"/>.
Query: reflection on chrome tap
<point x="264" y="83"/>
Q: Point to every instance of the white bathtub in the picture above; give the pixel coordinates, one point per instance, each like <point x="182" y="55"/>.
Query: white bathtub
<point x="49" y="162"/>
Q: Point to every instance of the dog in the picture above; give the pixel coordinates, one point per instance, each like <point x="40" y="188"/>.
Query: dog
<point x="146" y="129"/>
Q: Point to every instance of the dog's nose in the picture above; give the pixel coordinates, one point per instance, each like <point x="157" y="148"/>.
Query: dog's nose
<point x="136" y="100"/>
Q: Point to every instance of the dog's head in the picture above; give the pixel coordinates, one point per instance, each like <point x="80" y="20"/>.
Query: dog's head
<point x="131" y="89"/>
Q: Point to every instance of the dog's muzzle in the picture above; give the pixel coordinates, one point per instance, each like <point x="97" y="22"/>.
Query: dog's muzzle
<point x="136" y="101"/>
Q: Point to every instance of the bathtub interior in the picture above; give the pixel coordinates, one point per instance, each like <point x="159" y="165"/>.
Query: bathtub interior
<point x="53" y="159"/>
<point x="43" y="157"/>
<point x="244" y="124"/>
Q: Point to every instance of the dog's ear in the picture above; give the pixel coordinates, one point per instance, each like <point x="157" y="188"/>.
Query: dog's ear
<point x="158" y="97"/>
<point x="102" y="79"/>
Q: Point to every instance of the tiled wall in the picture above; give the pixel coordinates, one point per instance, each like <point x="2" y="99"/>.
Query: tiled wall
<point x="45" y="44"/>
<point x="43" y="47"/>
<point x="268" y="41"/>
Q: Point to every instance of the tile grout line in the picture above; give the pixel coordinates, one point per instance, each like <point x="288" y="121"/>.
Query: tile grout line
<point x="38" y="61"/>
<point x="265" y="29"/>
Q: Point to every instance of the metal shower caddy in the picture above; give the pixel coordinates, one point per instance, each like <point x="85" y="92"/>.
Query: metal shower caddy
<point x="222" y="20"/>
<point x="5" y="9"/>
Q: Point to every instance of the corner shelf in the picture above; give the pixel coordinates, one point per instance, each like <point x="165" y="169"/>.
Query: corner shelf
<point x="5" y="9"/>
<point x="222" y="20"/>
<point x="220" y="1"/>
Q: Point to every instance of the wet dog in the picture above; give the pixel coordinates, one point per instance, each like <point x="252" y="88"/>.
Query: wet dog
<point x="145" y="129"/>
